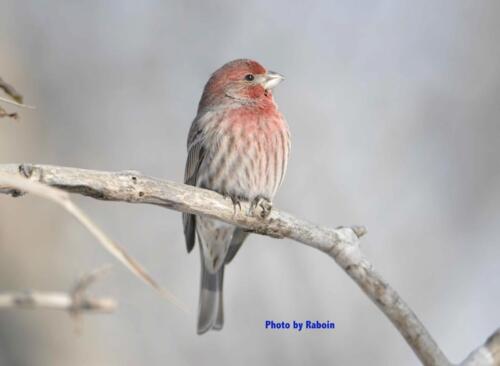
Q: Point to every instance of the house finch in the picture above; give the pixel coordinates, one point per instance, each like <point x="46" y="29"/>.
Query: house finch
<point x="238" y="146"/>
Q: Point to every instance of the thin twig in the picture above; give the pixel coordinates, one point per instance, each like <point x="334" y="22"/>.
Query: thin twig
<point x="20" y="105"/>
<point x="54" y="300"/>
<point x="74" y="302"/>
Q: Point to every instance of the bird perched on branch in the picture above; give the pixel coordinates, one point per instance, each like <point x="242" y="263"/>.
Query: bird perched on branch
<point x="238" y="146"/>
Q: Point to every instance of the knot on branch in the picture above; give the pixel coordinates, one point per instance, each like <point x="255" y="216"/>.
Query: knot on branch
<point x="81" y="302"/>
<point x="24" y="300"/>
<point x="359" y="231"/>
<point x="345" y="247"/>
<point x="26" y="170"/>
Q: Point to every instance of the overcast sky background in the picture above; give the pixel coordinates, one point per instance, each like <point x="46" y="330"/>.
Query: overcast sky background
<point x="393" y="108"/>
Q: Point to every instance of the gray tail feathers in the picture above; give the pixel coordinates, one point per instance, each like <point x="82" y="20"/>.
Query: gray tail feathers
<point x="210" y="311"/>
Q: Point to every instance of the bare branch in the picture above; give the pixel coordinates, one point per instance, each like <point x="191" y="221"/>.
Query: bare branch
<point x="486" y="355"/>
<point x="341" y="244"/>
<point x="16" y="185"/>
<point x="8" y="101"/>
<point x="54" y="300"/>
<point x="75" y="302"/>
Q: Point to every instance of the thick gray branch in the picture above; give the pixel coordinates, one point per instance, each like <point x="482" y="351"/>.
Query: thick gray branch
<point x="487" y="354"/>
<point x="341" y="244"/>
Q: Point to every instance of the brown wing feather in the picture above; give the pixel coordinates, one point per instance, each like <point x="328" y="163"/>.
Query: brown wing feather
<point x="195" y="157"/>
<point x="239" y="237"/>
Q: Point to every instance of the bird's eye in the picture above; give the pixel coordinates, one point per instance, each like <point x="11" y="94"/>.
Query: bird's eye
<point x="249" y="77"/>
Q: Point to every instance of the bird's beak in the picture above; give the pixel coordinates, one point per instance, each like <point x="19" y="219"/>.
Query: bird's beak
<point x="271" y="79"/>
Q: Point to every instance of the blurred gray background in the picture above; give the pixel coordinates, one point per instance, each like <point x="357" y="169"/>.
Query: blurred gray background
<point x="393" y="108"/>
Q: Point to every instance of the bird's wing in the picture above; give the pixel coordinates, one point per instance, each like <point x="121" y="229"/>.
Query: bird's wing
<point x="196" y="153"/>
<point x="239" y="237"/>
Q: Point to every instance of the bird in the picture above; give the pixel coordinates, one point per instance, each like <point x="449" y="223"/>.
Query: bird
<point x="238" y="145"/>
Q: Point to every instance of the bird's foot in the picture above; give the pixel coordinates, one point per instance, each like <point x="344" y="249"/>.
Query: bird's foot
<point x="236" y="200"/>
<point x="261" y="206"/>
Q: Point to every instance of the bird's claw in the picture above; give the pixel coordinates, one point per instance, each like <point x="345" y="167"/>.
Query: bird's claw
<point x="261" y="206"/>
<point x="235" y="200"/>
